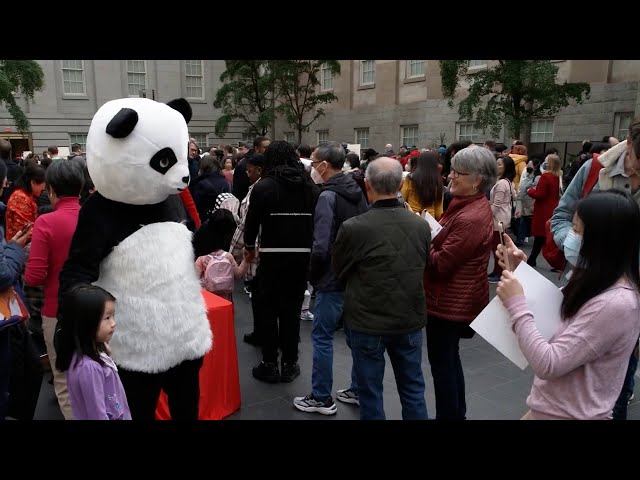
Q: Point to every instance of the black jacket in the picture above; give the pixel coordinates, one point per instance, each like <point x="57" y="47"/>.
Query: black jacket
<point x="241" y="182"/>
<point x="381" y="255"/>
<point x="205" y="189"/>
<point x="13" y="172"/>
<point x="194" y="168"/>
<point x="341" y="198"/>
<point x="282" y="204"/>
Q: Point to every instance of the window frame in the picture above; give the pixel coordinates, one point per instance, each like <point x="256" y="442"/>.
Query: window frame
<point x="418" y="75"/>
<point x="73" y="140"/>
<point x="145" y="86"/>
<point x="404" y="137"/>
<point x="84" y="79"/>
<point x="362" y="71"/>
<point x="359" y="140"/>
<point x="536" y="121"/>
<point x="201" y="76"/>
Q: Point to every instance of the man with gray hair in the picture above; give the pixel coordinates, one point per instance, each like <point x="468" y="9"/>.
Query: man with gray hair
<point x="381" y="256"/>
<point x="341" y="198"/>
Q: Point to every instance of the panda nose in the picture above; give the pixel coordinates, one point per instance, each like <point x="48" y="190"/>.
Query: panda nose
<point x="186" y="179"/>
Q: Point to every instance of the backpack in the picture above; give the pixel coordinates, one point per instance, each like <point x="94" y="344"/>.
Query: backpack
<point x="219" y="276"/>
<point x="228" y="201"/>
<point x="551" y="253"/>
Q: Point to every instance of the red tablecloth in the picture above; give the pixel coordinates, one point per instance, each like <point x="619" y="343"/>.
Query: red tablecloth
<point x="219" y="380"/>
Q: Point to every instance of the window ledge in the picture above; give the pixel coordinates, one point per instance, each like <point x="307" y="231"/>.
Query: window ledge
<point x="421" y="78"/>
<point x="479" y="68"/>
<point x="368" y="86"/>
<point x="195" y="100"/>
<point x="66" y="96"/>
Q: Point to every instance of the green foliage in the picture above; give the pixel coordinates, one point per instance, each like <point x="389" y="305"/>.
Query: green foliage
<point x="19" y="77"/>
<point x="509" y="93"/>
<point x="296" y="86"/>
<point x="247" y="95"/>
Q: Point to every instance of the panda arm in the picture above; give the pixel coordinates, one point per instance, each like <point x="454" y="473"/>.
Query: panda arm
<point x="89" y="246"/>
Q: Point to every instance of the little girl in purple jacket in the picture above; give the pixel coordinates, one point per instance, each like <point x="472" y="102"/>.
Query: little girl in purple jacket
<point x="95" y="389"/>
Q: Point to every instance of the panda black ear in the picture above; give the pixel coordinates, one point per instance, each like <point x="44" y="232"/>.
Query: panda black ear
<point x="181" y="105"/>
<point x="122" y="123"/>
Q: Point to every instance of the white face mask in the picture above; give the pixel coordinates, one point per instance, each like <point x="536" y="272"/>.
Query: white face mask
<point x="572" y="245"/>
<point x="316" y="177"/>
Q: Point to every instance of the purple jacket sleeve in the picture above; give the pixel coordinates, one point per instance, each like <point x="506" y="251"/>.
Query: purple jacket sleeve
<point x="91" y="382"/>
<point x="323" y="219"/>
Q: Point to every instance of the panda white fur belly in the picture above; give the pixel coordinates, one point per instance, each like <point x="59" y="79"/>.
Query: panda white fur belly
<point x="160" y="314"/>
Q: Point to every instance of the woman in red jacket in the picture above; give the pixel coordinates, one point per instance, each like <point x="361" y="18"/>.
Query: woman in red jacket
<point x="547" y="196"/>
<point x="455" y="283"/>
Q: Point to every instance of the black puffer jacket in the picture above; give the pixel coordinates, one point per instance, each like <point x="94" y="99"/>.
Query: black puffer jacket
<point x="205" y="189"/>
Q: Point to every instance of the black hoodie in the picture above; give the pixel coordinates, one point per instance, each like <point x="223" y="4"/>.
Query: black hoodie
<point x="341" y="199"/>
<point x="282" y="205"/>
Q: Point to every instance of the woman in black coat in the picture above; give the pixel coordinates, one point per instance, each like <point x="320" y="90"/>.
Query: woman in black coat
<point x="209" y="184"/>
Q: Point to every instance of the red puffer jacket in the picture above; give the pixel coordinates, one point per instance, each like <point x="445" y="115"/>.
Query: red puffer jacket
<point x="455" y="281"/>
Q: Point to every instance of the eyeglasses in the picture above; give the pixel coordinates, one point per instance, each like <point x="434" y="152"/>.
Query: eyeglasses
<point x="313" y="162"/>
<point x="456" y="174"/>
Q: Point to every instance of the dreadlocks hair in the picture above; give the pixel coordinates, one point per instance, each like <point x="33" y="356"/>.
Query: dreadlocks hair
<point x="281" y="153"/>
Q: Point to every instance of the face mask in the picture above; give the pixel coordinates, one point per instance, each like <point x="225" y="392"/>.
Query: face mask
<point x="316" y="177"/>
<point x="572" y="245"/>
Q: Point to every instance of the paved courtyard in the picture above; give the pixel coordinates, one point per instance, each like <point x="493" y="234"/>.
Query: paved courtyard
<point x="495" y="388"/>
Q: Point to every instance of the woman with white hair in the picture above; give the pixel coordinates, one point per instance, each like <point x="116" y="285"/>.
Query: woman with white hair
<point x="455" y="284"/>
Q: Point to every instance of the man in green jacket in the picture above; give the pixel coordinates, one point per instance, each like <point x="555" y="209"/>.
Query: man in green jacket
<point x="381" y="255"/>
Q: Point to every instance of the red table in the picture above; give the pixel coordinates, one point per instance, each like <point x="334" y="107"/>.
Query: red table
<point x="219" y="380"/>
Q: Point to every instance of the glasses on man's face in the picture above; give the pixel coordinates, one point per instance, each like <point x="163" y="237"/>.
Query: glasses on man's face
<point x="456" y="174"/>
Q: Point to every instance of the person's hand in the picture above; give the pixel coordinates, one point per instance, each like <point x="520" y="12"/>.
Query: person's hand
<point x="518" y="214"/>
<point x="515" y="254"/>
<point x="23" y="236"/>
<point x="249" y="255"/>
<point x="508" y="286"/>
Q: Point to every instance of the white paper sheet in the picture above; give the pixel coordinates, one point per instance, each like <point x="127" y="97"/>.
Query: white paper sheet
<point x="544" y="300"/>
<point x="354" y="147"/>
<point x="433" y="223"/>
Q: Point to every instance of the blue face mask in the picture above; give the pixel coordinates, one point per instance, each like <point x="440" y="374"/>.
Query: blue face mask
<point x="572" y="245"/>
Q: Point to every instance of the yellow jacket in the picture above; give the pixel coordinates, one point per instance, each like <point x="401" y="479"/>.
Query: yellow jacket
<point x="411" y="197"/>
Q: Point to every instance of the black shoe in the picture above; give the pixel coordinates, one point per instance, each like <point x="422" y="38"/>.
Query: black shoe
<point x="252" y="339"/>
<point x="290" y="371"/>
<point x="267" y="372"/>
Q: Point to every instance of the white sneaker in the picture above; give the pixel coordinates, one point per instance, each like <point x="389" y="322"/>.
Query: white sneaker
<point x="306" y="315"/>
<point x="348" y="396"/>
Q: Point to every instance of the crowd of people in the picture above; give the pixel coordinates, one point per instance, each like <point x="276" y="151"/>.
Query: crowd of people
<point x="290" y="220"/>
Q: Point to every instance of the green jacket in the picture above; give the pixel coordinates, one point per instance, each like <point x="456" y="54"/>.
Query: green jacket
<point x="381" y="256"/>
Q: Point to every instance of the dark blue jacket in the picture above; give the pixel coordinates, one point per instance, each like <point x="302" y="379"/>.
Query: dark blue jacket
<point x="341" y="198"/>
<point x="205" y="189"/>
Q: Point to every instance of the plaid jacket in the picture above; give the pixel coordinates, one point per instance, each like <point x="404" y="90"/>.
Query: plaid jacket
<point x="237" y="243"/>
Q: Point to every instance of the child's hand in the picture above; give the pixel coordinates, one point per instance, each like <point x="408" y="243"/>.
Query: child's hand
<point x="508" y="286"/>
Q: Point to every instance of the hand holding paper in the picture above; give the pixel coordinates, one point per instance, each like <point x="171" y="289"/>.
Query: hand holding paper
<point x="508" y="286"/>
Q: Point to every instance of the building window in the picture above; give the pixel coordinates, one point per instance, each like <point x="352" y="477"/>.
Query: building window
<point x="79" y="138"/>
<point x="326" y="78"/>
<point x="323" y="136"/>
<point x="477" y="63"/>
<point x="415" y="68"/>
<point x="248" y="137"/>
<point x="362" y="137"/>
<point x="542" y="130"/>
<point x="289" y="137"/>
<point x="367" y="72"/>
<point x="409" y="135"/>
<point x="201" y="140"/>
<point x="73" y="77"/>
<point x="621" y="125"/>
<point x="466" y="131"/>
<point x="136" y="77"/>
<point x="194" y="79"/>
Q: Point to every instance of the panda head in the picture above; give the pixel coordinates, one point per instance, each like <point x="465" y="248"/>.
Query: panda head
<point x="137" y="150"/>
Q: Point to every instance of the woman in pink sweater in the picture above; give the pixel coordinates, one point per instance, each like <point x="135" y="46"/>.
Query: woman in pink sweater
<point x="580" y="371"/>
<point x="50" y="243"/>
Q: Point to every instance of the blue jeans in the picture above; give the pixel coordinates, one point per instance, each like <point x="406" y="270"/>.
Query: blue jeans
<point x="524" y="229"/>
<point x="327" y="312"/>
<point x="620" y="408"/>
<point x="405" y="352"/>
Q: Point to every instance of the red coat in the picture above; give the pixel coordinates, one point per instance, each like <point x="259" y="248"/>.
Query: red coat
<point x="455" y="280"/>
<point x="547" y="196"/>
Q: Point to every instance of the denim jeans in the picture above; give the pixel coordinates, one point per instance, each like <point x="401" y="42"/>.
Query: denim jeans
<point x="327" y="312"/>
<point x="620" y="408"/>
<point x="524" y="228"/>
<point x="405" y="352"/>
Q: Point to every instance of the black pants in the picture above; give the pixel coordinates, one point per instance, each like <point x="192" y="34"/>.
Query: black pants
<point x="256" y="305"/>
<point x="181" y="384"/>
<point x="282" y="280"/>
<point x="538" y="243"/>
<point x="443" y="337"/>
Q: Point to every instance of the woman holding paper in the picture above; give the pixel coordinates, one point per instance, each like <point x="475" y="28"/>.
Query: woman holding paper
<point x="502" y="202"/>
<point x="455" y="284"/>
<point x="579" y="372"/>
<point x="423" y="188"/>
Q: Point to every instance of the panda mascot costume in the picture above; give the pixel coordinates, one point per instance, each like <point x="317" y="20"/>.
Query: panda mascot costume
<point x="129" y="242"/>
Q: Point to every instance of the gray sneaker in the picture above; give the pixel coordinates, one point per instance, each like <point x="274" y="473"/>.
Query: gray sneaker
<point x="311" y="405"/>
<point x="348" y="396"/>
<point x="306" y="315"/>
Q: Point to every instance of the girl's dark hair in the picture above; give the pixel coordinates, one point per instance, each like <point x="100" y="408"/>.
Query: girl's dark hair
<point x="607" y="216"/>
<point x="210" y="164"/>
<point x="509" y="168"/>
<point x="353" y="160"/>
<point x="32" y="171"/>
<point x="426" y="179"/>
<point x="215" y="233"/>
<point x="83" y="308"/>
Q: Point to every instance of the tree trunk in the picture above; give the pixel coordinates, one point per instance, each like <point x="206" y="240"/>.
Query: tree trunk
<point x="299" y="136"/>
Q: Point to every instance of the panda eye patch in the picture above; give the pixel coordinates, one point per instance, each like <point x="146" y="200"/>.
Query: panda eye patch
<point x="163" y="160"/>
